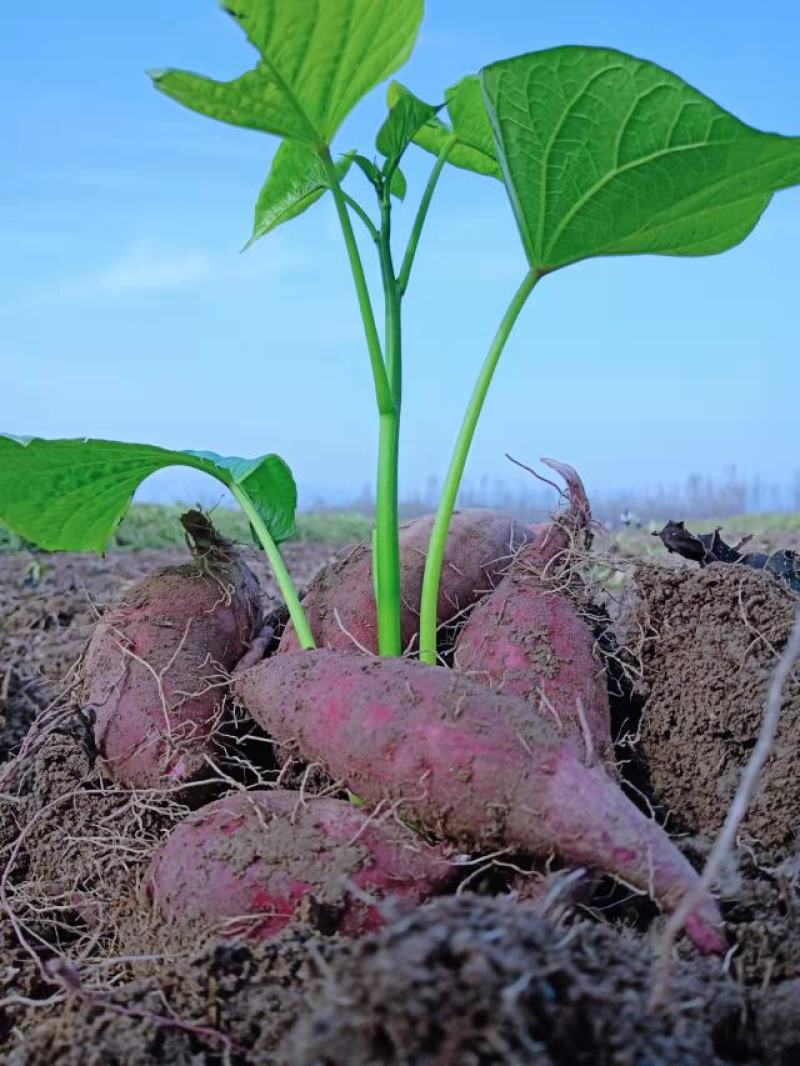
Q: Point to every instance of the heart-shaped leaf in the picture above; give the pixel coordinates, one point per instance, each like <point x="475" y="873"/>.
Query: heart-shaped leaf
<point x="70" y="495"/>
<point x="295" y="182"/>
<point x="318" y="59"/>
<point x="606" y="154"/>
<point x="473" y="148"/>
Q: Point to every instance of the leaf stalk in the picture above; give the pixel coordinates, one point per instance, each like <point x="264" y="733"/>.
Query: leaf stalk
<point x="422" y="214"/>
<point x="452" y="484"/>
<point x="281" y="574"/>
<point x="383" y="392"/>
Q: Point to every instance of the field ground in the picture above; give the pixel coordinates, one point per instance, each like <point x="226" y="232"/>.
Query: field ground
<point x="48" y="606"/>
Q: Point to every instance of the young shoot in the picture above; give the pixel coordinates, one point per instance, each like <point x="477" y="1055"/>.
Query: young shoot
<point x="601" y="154"/>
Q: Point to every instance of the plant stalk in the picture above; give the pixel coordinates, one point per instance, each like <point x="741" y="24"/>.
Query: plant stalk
<point x="422" y="214"/>
<point x="386" y="555"/>
<point x="281" y="574"/>
<point x="383" y="392"/>
<point x="438" y="541"/>
<point x="370" y="226"/>
<point x="387" y="375"/>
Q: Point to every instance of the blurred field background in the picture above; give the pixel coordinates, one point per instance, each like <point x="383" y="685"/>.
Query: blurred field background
<point x="771" y="513"/>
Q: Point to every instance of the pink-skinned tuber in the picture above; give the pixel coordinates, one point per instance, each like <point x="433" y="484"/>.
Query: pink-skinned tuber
<point x="474" y="766"/>
<point x="252" y="862"/>
<point x="155" y="671"/>
<point x="340" y="603"/>
<point x="527" y="639"/>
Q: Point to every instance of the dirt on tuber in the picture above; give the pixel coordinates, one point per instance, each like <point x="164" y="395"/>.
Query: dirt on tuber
<point x="252" y="863"/>
<point x="156" y="669"/>
<point x="471" y="765"/>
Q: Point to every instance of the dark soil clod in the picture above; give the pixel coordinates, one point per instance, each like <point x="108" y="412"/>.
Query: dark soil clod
<point x="705" y="548"/>
<point x="708" y="643"/>
<point x="479" y="982"/>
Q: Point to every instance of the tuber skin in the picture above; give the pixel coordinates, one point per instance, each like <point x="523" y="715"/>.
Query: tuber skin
<point x="526" y="638"/>
<point x="252" y="861"/>
<point x="154" y="673"/>
<point x="340" y="603"/>
<point x="474" y="766"/>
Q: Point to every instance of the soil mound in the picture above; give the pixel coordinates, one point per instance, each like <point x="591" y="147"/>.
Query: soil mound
<point x="707" y="642"/>
<point x="763" y="915"/>
<point x="230" y="1003"/>
<point x="481" y="982"/>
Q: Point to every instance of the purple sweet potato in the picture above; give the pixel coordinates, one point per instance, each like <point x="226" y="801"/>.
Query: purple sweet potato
<point x="528" y="641"/>
<point x="250" y="861"/>
<point x="526" y="638"/>
<point x="340" y="604"/>
<point x="154" y="672"/>
<point x="473" y="765"/>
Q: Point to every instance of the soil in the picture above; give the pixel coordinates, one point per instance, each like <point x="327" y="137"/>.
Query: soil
<point x="708" y="643"/>
<point x="206" y="1007"/>
<point x="473" y="982"/>
<point x="546" y="976"/>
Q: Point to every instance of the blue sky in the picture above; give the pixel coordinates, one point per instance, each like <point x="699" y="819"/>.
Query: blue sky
<point x="126" y="310"/>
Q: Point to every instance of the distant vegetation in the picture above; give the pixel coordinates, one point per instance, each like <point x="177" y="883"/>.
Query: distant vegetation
<point x="693" y="499"/>
<point x="150" y="525"/>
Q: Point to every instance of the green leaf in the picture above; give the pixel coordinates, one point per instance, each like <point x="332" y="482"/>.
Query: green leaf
<point x="398" y="186"/>
<point x="471" y="125"/>
<point x="70" y="495"/>
<point x="397" y="183"/>
<point x="370" y="170"/>
<point x="406" y="117"/>
<point x="473" y="148"/>
<point x="606" y="154"/>
<point x="295" y="182"/>
<point x="318" y="59"/>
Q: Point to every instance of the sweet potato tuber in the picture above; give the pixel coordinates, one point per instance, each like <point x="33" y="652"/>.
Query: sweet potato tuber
<point x="527" y="639"/>
<point x="154" y="670"/>
<point x="249" y="860"/>
<point x="473" y="765"/>
<point x="340" y="604"/>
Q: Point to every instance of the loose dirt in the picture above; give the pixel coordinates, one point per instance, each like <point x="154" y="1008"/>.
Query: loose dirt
<point x="231" y="1002"/>
<point x="707" y="642"/>
<point x="87" y="976"/>
<point x="475" y="982"/>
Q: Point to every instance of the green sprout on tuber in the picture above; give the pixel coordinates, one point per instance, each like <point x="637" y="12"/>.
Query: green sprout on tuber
<point x="601" y="154"/>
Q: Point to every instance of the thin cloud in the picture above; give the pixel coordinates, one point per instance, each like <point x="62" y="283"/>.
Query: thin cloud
<point x="145" y="270"/>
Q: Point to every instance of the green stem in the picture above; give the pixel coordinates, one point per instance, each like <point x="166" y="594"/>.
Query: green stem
<point x="383" y="392"/>
<point x="387" y="542"/>
<point x="438" y="541"/>
<point x="281" y="574"/>
<point x="372" y="229"/>
<point x="392" y="299"/>
<point x="422" y="214"/>
<point x="387" y="537"/>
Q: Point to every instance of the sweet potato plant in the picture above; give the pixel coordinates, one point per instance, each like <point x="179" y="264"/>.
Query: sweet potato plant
<point x="601" y="154"/>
